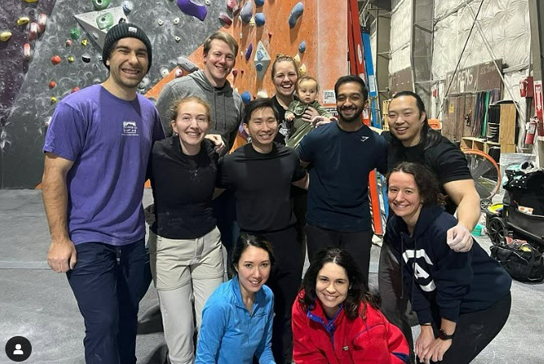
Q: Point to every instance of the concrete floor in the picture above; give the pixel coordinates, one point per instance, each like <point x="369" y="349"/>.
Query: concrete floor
<point x="38" y="304"/>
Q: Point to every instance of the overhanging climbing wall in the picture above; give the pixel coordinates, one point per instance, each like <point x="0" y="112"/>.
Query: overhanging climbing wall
<point x="66" y="56"/>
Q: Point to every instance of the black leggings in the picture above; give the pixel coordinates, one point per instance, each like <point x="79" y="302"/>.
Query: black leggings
<point x="475" y="330"/>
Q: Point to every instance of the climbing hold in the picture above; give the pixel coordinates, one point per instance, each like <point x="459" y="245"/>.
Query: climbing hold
<point x="176" y="21"/>
<point x="246" y="97"/>
<point x="71" y="59"/>
<point x="249" y="50"/>
<point x="104" y="21"/>
<point x="53" y="100"/>
<point x="247" y="12"/>
<point x="234" y="72"/>
<point x="56" y="60"/>
<point x="232" y="5"/>
<point x="27" y="52"/>
<point x="75" y="33"/>
<point x="23" y="20"/>
<point x="259" y="19"/>
<point x="296" y="58"/>
<point x="4" y="36"/>
<point x="101" y="4"/>
<point x="208" y="2"/>
<point x="42" y="22"/>
<point x="31" y="1"/>
<point x="160" y="22"/>
<point x="302" y="47"/>
<point x="296" y="12"/>
<point x="252" y="22"/>
<point x="262" y="60"/>
<point x="302" y="70"/>
<point x="164" y="71"/>
<point x="262" y="94"/>
<point x="75" y="89"/>
<point x="178" y="39"/>
<point x="227" y="20"/>
<point x="52" y="84"/>
<point x="259" y="3"/>
<point x="128" y="6"/>
<point x="242" y="71"/>
<point x="178" y="73"/>
<point x="190" y="8"/>
<point x="86" y="58"/>
<point x="68" y="42"/>
<point x="33" y="31"/>
<point x="84" y="42"/>
<point x="186" y="65"/>
<point x="269" y="35"/>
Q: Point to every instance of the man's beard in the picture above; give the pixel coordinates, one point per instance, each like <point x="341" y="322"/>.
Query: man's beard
<point x="355" y="117"/>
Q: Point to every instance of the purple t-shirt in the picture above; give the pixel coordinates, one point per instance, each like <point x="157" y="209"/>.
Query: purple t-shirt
<point x="109" y="140"/>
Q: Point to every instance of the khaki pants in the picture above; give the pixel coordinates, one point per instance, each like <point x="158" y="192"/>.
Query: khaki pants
<point x="183" y="270"/>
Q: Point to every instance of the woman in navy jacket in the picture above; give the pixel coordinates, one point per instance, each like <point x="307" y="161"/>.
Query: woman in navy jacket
<point x="462" y="300"/>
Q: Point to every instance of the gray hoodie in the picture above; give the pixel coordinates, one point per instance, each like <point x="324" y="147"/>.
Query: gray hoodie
<point x="226" y="104"/>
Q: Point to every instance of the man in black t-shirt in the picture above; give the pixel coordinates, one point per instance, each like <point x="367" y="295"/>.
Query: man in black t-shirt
<point x="411" y="139"/>
<point x="261" y="174"/>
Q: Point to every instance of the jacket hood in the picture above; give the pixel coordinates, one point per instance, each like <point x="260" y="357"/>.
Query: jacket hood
<point x="200" y="78"/>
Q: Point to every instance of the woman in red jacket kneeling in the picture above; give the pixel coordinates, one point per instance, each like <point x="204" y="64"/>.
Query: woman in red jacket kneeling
<point x="335" y="319"/>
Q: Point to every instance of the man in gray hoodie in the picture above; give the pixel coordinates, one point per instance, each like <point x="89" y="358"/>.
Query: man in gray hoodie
<point x="210" y="84"/>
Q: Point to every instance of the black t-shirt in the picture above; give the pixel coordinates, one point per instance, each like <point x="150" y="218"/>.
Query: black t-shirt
<point x="262" y="185"/>
<point x="446" y="160"/>
<point x="183" y="188"/>
<point x="284" y="127"/>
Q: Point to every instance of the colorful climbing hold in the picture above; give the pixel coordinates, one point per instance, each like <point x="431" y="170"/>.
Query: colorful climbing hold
<point x="302" y="47"/>
<point x="75" y="33"/>
<point x="226" y="19"/>
<point x="260" y="19"/>
<point x="31" y="1"/>
<point x="75" y="89"/>
<point x="68" y="42"/>
<point x="128" y="6"/>
<point x="193" y="9"/>
<point x="259" y="67"/>
<point x="86" y="58"/>
<point x="52" y="84"/>
<point x="246" y="97"/>
<point x="4" y="36"/>
<point x="178" y="39"/>
<point x="249" y="50"/>
<point x="186" y="65"/>
<point x="101" y="4"/>
<point x="84" y="42"/>
<point x="208" y="2"/>
<point x="71" y="59"/>
<point x="23" y="20"/>
<point x="247" y="12"/>
<point x="302" y="70"/>
<point x="234" y="72"/>
<point x="178" y="73"/>
<point x="164" y="71"/>
<point x="262" y="94"/>
<point x="259" y="3"/>
<point x="27" y="52"/>
<point x="42" y="22"/>
<point x="296" y="58"/>
<point x="104" y="21"/>
<point x="53" y="100"/>
<point x="175" y="21"/>
<point x="232" y="5"/>
<point x="56" y="60"/>
<point x="296" y="12"/>
<point x="252" y="22"/>
<point x="261" y="59"/>
<point x="33" y="31"/>
<point x="160" y="22"/>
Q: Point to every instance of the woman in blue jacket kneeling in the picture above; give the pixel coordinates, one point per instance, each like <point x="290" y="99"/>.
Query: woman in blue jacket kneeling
<point x="237" y="318"/>
<point x="462" y="300"/>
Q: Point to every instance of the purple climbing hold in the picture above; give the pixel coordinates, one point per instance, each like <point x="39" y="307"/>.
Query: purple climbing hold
<point x="247" y="12"/>
<point x="249" y="50"/>
<point x="246" y="97"/>
<point x="190" y="8"/>
<point x="302" y="47"/>
<point x="296" y="12"/>
<point x="259" y="19"/>
<point x="259" y="3"/>
<point x="226" y="19"/>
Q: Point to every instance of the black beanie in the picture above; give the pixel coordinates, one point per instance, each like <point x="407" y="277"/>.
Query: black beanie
<point x="125" y="30"/>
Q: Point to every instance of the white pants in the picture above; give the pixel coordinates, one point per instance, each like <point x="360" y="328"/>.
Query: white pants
<point x="183" y="270"/>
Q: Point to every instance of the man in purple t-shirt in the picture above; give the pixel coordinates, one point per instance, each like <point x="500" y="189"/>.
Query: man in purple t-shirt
<point x="96" y="154"/>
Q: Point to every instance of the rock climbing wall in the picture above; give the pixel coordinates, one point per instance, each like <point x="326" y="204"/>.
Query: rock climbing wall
<point x="65" y="55"/>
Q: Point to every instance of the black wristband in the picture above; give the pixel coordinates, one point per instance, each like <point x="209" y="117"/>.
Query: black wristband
<point x="443" y="336"/>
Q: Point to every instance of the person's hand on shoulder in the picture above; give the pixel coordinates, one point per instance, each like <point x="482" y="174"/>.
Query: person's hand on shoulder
<point x="309" y="114"/>
<point x="217" y="141"/>
<point x="321" y="120"/>
<point x="459" y="238"/>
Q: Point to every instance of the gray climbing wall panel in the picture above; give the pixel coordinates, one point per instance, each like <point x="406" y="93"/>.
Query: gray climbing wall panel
<point x="25" y="96"/>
